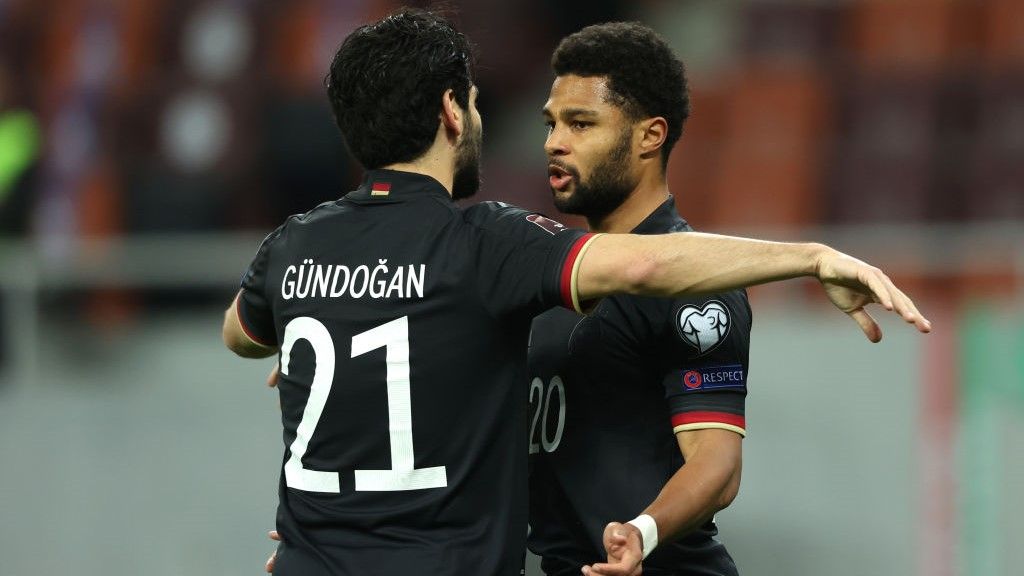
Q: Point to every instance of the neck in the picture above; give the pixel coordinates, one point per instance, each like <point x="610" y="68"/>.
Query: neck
<point x="437" y="165"/>
<point x="650" y="192"/>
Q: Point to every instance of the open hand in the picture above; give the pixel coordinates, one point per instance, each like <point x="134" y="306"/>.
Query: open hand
<point x="852" y="284"/>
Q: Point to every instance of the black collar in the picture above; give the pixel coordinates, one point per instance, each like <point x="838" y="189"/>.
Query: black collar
<point x="663" y="219"/>
<point x="396" y="186"/>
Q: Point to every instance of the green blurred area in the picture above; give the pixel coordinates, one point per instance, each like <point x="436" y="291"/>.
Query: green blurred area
<point x="19" y="147"/>
<point x="990" y="457"/>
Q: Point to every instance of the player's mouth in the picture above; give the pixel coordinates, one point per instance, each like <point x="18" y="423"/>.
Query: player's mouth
<point x="559" y="177"/>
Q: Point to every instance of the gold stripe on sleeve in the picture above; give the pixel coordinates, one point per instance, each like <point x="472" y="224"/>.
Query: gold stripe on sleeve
<point x="575" y="272"/>
<point x="706" y="425"/>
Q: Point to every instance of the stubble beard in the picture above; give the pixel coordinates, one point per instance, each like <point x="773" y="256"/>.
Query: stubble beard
<point x="466" y="181"/>
<point x="607" y="188"/>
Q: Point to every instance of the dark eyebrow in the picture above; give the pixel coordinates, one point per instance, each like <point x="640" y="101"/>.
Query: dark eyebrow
<point x="571" y="113"/>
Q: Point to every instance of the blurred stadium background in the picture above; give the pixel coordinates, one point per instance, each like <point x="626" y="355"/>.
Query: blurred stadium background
<point x="147" y="145"/>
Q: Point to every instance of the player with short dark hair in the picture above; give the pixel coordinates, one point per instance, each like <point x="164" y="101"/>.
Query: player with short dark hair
<point x="676" y="369"/>
<point x="644" y="78"/>
<point x="385" y="101"/>
<point x="402" y="321"/>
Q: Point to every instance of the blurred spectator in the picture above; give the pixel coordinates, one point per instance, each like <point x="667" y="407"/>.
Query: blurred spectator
<point x="19" y="153"/>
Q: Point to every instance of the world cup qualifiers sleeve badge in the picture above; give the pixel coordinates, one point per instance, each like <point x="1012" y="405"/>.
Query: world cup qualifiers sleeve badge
<point x="704" y="328"/>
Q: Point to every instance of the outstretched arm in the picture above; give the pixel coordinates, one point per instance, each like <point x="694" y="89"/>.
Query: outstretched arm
<point x="674" y="265"/>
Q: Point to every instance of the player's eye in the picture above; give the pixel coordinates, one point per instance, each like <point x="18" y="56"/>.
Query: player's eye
<point x="580" y="125"/>
<point x="549" y="125"/>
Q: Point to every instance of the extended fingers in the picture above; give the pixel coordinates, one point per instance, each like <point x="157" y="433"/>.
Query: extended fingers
<point x="886" y="293"/>
<point x="905" y="307"/>
<point x="879" y="285"/>
<point x="603" y="569"/>
<point x="911" y="314"/>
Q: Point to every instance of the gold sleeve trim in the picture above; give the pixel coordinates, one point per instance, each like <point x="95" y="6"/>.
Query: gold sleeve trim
<point x="706" y="425"/>
<point x="575" y="272"/>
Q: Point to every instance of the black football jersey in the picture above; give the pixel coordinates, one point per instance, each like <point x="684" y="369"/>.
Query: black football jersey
<point x="403" y="323"/>
<point x="607" y="393"/>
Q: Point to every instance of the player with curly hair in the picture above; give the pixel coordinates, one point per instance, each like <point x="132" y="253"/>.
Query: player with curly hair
<point x="676" y="369"/>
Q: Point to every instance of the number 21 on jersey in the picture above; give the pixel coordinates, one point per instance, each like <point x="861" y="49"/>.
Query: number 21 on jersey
<point x="394" y="337"/>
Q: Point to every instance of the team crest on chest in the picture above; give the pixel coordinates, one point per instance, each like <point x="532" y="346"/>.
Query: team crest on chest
<point x="704" y="328"/>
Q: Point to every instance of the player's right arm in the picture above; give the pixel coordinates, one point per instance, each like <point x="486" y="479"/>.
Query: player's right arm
<point x="238" y="339"/>
<point x="706" y="483"/>
<point x="673" y="265"/>
<point x="248" y="328"/>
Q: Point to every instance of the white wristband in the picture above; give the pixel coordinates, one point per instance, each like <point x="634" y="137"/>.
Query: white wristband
<point x="648" y="530"/>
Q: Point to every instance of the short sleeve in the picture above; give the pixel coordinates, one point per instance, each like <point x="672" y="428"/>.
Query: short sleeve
<point x="254" y="307"/>
<point x="525" y="262"/>
<point x="709" y="348"/>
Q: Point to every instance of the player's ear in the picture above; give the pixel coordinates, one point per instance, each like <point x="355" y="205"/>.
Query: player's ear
<point x="652" y="136"/>
<point x="451" y="114"/>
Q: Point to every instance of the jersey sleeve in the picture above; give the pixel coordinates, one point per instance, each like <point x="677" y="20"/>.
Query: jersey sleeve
<point x="708" y="345"/>
<point x="254" y="303"/>
<point x="525" y="262"/>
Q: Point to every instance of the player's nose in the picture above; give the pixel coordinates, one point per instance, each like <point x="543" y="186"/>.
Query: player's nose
<point x="555" y="145"/>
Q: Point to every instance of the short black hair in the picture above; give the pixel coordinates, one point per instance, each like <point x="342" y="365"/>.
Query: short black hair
<point x="645" y="77"/>
<point x="386" y="82"/>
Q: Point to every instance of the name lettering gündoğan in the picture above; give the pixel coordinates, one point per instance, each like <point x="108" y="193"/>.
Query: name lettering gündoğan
<point x="309" y="280"/>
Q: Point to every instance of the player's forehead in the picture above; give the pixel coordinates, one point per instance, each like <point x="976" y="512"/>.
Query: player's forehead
<point x="579" y="95"/>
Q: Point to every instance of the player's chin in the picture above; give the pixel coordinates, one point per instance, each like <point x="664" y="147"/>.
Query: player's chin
<point x="564" y="194"/>
<point x="565" y="202"/>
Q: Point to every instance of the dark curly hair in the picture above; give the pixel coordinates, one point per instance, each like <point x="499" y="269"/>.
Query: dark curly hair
<point x="386" y="82"/>
<point x="645" y="77"/>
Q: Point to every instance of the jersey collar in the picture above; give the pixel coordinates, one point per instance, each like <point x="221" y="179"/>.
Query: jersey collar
<point x="395" y="186"/>
<point x="663" y="219"/>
